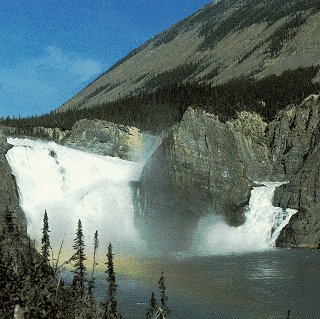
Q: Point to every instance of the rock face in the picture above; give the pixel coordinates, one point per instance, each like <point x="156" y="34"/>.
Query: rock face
<point x="53" y="134"/>
<point x="298" y="160"/>
<point x="9" y="198"/>
<point x="303" y="194"/>
<point x="293" y="135"/>
<point x="106" y="138"/>
<point x="203" y="165"/>
<point x="222" y="41"/>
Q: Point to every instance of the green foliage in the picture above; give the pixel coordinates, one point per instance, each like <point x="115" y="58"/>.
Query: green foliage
<point x="285" y="34"/>
<point x="164" y="308"/>
<point x="246" y="14"/>
<point x="288" y="315"/>
<point x="152" y="308"/>
<point x="94" y="264"/>
<point x="172" y="77"/>
<point x="111" y="311"/>
<point x="45" y="240"/>
<point x="32" y="288"/>
<point x="79" y="272"/>
<point x="159" y="109"/>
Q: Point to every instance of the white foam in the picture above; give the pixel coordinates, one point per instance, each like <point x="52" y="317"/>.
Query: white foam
<point x="260" y="230"/>
<point x="73" y="185"/>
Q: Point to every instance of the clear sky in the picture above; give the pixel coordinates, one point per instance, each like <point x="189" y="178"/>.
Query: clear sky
<point x="50" y="49"/>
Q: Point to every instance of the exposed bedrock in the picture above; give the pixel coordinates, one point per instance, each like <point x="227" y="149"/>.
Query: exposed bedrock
<point x="9" y="198"/>
<point x="106" y="138"/>
<point x="203" y="166"/>
<point x="303" y="191"/>
<point x="293" y="135"/>
<point x="303" y="194"/>
<point x="15" y="246"/>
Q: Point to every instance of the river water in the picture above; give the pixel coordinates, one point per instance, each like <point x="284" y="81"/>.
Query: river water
<point x="260" y="285"/>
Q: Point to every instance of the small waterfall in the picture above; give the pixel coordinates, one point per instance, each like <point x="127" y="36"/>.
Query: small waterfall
<point x="260" y="230"/>
<point x="73" y="185"/>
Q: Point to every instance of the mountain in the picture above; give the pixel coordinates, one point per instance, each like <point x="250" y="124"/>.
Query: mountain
<point x="224" y="40"/>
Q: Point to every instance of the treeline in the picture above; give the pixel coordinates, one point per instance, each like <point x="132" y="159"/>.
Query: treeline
<point x="38" y="291"/>
<point x="156" y="110"/>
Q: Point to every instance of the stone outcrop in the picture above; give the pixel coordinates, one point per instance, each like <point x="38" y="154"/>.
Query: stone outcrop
<point x="292" y="136"/>
<point x="303" y="194"/>
<point x="203" y="166"/>
<point x="9" y="198"/>
<point x="299" y="132"/>
<point x="48" y="133"/>
<point x="106" y="138"/>
<point x="15" y="246"/>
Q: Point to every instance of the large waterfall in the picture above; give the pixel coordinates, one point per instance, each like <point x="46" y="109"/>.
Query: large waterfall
<point x="261" y="228"/>
<point x="73" y="185"/>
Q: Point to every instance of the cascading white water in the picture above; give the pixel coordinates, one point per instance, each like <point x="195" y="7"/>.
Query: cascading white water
<point x="73" y="185"/>
<point x="260" y="230"/>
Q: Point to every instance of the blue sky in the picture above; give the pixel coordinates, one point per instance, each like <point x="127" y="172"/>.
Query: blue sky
<point x="50" y="49"/>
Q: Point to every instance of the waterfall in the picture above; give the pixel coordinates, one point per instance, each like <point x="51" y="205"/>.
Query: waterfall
<point x="261" y="228"/>
<point x="72" y="185"/>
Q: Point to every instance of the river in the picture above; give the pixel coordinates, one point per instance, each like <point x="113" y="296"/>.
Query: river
<point x="260" y="285"/>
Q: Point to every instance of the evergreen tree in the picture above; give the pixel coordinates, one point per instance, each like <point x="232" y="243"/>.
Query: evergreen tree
<point x="164" y="309"/>
<point x="91" y="281"/>
<point x="288" y="315"/>
<point x="153" y="307"/>
<point x="45" y="240"/>
<point x="111" y="311"/>
<point x="79" y="273"/>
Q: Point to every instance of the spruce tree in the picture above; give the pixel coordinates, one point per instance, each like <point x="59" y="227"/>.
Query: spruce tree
<point x="45" y="240"/>
<point x="91" y="281"/>
<point x="153" y="307"/>
<point x="79" y="273"/>
<point x="111" y="311"/>
<point x="164" y="309"/>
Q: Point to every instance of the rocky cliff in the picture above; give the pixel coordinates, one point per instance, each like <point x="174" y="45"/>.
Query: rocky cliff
<point x="9" y="198"/>
<point x="205" y="165"/>
<point x="292" y="135"/>
<point x="106" y="138"/>
<point x="296" y="153"/>
<point x="15" y="246"/>
<point x="47" y="133"/>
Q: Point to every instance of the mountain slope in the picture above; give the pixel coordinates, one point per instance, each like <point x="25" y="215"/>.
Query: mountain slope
<point x="222" y="41"/>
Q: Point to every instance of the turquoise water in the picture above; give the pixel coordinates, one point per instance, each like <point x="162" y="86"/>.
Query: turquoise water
<point x="248" y="286"/>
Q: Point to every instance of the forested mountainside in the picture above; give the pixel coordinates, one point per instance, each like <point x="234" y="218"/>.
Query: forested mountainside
<point x="224" y="40"/>
<point x="158" y="109"/>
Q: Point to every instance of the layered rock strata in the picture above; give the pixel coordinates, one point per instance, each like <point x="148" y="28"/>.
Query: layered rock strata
<point x="203" y="166"/>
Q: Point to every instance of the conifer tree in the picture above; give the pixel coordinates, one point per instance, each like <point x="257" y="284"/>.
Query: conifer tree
<point x="45" y="240"/>
<point x="153" y="307"/>
<point x="164" y="309"/>
<point x="79" y="273"/>
<point x="111" y="311"/>
<point x="91" y="281"/>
